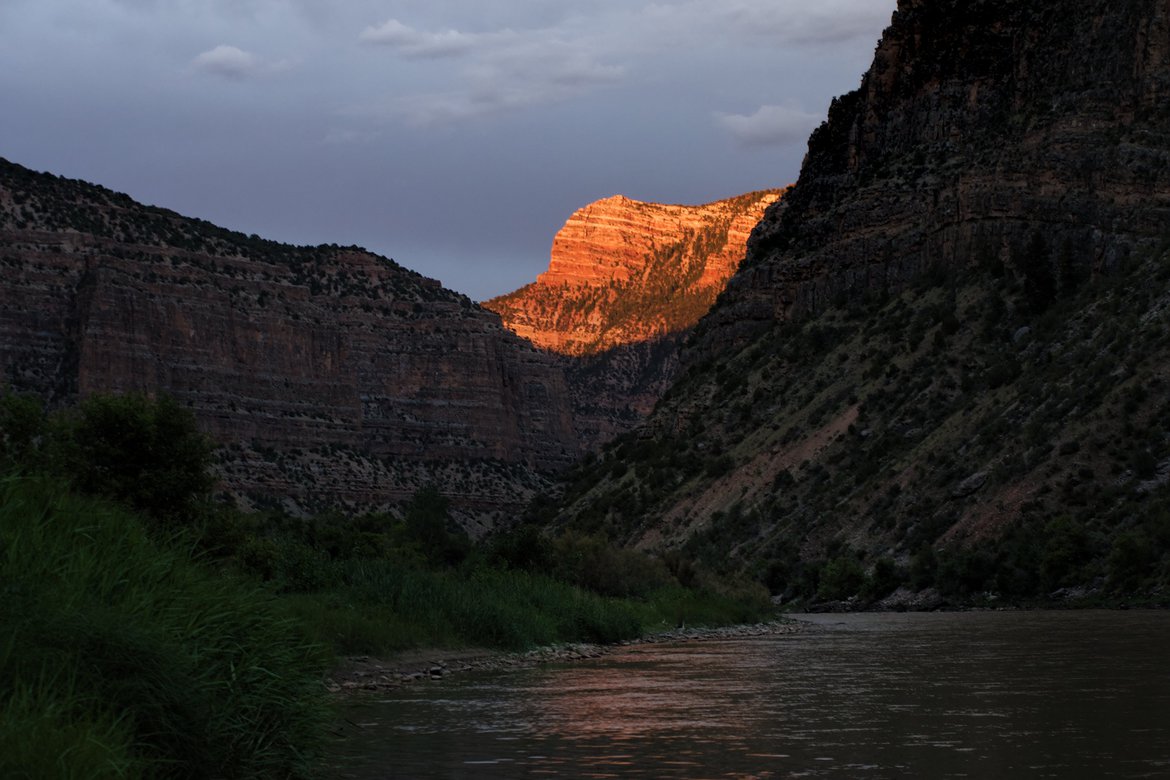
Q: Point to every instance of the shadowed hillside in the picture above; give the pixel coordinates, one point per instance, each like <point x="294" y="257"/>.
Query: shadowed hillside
<point x="944" y="361"/>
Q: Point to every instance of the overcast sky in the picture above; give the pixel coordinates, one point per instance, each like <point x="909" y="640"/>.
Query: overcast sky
<point x="455" y="137"/>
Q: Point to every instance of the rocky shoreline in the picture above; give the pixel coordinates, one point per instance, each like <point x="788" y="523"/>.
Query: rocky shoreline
<point x="359" y="674"/>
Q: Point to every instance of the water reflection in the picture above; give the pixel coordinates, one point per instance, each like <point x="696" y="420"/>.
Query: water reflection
<point x="1066" y="695"/>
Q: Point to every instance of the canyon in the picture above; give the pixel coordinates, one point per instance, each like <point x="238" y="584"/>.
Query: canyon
<point x="948" y="339"/>
<point x="332" y="377"/>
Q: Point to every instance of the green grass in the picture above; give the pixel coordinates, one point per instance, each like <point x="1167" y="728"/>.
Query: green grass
<point x="122" y="658"/>
<point x="388" y="608"/>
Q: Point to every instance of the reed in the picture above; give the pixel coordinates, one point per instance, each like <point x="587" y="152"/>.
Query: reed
<point x="123" y="657"/>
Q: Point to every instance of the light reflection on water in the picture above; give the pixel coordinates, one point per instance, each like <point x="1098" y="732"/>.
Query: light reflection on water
<point x="982" y="695"/>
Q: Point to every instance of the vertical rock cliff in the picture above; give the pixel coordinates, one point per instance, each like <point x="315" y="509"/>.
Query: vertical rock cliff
<point x="976" y="125"/>
<point x="622" y="272"/>
<point x="626" y="282"/>
<point x="330" y="374"/>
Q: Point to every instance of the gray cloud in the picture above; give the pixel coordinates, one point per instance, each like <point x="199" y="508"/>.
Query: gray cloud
<point x="770" y="125"/>
<point x="507" y="71"/>
<point x="415" y="43"/>
<point x="794" y="22"/>
<point x="234" y="63"/>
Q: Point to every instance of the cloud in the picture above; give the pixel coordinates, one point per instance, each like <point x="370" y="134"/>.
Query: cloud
<point x="427" y="45"/>
<point x="793" y="22"/>
<point x="231" y="62"/>
<point x="770" y="126"/>
<point x="507" y="70"/>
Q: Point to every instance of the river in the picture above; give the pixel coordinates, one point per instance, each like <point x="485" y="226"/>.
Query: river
<point x="935" y="695"/>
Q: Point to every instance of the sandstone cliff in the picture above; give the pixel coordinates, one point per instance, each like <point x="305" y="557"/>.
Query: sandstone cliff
<point x="943" y="362"/>
<point x="626" y="282"/>
<point x="623" y="272"/>
<point x="330" y="374"/>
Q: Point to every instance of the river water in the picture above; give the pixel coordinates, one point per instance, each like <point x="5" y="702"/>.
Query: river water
<point x="937" y="695"/>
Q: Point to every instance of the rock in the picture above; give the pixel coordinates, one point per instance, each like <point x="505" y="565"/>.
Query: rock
<point x="329" y="373"/>
<point x="932" y="161"/>
<point x="1020" y="335"/>
<point x="626" y="280"/>
<point x="970" y="485"/>
<point x="611" y="262"/>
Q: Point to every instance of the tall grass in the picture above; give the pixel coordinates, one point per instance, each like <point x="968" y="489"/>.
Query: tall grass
<point x="121" y="658"/>
<point x="385" y="606"/>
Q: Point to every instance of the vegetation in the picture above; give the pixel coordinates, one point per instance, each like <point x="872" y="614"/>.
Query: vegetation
<point x="151" y="632"/>
<point x="123" y="658"/>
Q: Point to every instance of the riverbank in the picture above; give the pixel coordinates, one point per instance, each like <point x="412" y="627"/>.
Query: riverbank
<point x="363" y="674"/>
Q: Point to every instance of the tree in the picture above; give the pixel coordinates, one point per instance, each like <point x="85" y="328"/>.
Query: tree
<point x="428" y="523"/>
<point x="146" y="453"/>
<point x="22" y="425"/>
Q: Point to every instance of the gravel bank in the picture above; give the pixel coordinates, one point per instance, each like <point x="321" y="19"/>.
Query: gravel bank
<point x="365" y="673"/>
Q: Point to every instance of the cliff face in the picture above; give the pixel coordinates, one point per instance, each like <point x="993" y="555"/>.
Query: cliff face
<point x="976" y="125"/>
<point x="288" y="356"/>
<point x="623" y="272"/>
<point x="946" y="350"/>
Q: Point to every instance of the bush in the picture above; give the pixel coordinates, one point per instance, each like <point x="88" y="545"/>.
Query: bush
<point x="22" y="423"/>
<point x="429" y="525"/>
<point x="145" y="453"/>
<point x="841" y="578"/>
<point x="591" y="562"/>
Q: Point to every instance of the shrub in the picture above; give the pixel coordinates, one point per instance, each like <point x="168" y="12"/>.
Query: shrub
<point x="145" y="453"/>
<point x="841" y="578"/>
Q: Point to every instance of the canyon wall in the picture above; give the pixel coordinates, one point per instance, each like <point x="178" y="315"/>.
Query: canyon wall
<point x="623" y="272"/>
<point x="328" y="373"/>
<point x="977" y="125"/>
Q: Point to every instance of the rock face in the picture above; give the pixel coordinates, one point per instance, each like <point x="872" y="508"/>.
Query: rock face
<point x="949" y="335"/>
<point x="977" y="125"/>
<point x="329" y="373"/>
<point x="622" y="272"/>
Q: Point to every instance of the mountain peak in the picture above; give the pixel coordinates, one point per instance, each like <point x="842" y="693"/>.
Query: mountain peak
<point x="623" y="271"/>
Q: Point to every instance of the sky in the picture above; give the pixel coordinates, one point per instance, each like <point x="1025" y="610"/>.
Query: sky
<point x="455" y="137"/>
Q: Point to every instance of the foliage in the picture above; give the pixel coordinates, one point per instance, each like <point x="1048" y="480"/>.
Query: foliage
<point x="142" y="452"/>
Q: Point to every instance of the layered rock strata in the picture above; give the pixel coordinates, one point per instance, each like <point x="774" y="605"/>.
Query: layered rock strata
<point x="977" y="125"/>
<point x="623" y="272"/>
<point x="281" y="350"/>
<point x="952" y="331"/>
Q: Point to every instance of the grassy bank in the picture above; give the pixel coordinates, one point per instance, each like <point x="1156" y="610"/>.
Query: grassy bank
<point x="122" y="658"/>
<point x="372" y="588"/>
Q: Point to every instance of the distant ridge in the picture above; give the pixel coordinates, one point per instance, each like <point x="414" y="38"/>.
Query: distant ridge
<point x="622" y="271"/>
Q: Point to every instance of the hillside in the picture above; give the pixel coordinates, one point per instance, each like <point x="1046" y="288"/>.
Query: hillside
<point x="329" y="375"/>
<point x="943" y="363"/>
